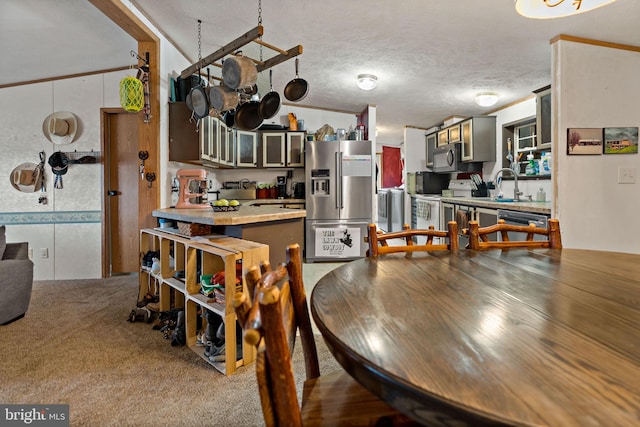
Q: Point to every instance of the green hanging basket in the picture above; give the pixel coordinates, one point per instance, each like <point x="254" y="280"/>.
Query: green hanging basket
<point x="131" y="94"/>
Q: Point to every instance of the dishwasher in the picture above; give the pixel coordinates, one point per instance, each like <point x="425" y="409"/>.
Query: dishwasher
<point x="525" y="219"/>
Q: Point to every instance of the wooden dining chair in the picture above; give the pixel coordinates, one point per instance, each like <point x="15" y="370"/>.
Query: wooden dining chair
<point x="379" y="241"/>
<point x="478" y="236"/>
<point x="270" y="318"/>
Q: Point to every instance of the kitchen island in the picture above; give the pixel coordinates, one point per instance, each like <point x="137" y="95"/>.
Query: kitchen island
<point x="273" y="226"/>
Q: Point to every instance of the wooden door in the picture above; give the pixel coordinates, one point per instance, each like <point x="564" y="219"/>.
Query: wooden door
<point x="122" y="174"/>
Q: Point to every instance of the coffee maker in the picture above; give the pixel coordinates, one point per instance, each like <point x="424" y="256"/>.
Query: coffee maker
<point x="193" y="189"/>
<point x="282" y="187"/>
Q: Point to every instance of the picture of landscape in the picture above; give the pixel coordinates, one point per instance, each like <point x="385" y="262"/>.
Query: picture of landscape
<point x="620" y="140"/>
<point x="584" y="141"/>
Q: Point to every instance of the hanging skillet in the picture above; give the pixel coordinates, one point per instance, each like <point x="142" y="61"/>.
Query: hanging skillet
<point x="248" y="117"/>
<point x="270" y="103"/>
<point x="296" y="89"/>
<point x="199" y="101"/>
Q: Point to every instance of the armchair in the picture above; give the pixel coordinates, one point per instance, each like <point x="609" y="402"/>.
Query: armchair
<point x="16" y="281"/>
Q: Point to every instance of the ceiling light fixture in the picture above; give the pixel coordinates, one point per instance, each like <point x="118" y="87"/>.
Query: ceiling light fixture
<point x="486" y="99"/>
<point x="367" y="81"/>
<point x="544" y="9"/>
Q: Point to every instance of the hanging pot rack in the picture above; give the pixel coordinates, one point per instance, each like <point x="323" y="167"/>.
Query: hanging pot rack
<point x="253" y="35"/>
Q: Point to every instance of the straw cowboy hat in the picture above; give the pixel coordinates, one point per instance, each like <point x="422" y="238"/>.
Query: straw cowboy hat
<point x="27" y="177"/>
<point x="60" y="127"/>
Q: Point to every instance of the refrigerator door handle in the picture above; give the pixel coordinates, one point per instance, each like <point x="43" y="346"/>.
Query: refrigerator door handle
<point x="339" y="203"/>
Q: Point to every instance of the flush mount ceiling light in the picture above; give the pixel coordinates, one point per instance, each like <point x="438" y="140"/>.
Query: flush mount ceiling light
<point x="544" y="9"/>
<point x="367" y="81"/>
<point x="486" y="99"/>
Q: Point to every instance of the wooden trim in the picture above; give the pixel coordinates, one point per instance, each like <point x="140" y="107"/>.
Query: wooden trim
<point x="148" y="133"/>
<point x="69" y="76"/>
<point x="575" y="39"/>
<point x="125" y="19"/>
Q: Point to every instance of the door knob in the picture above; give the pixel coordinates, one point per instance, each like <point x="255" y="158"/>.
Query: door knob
<point x="113" y="193"/>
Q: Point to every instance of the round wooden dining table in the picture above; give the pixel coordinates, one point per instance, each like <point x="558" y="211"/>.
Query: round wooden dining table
<point x="528" y="337"/>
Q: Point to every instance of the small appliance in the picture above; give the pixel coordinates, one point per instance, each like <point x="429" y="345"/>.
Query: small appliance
<point x="282" y="187"/>
<point x="193" y="189"/>
<point x="298" y="190"/>
<point x="448" y="158"/>
<point x="430" y="182"/>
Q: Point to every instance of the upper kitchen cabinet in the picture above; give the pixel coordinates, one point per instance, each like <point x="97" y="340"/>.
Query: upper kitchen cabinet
<point x="183" y="135"/>
<point x="246" y="149"/>
<point x="226" y="145"/>
<point x="431" y="142"/>
<point x="477" y="136"/>
<point x="273" y="149"/>
<point x="283" y="149"/>
<point x="543" y="116"/>
<point x="295" y="149"/>
<point x="210" y="139"/>
<point x="478" y="139"/>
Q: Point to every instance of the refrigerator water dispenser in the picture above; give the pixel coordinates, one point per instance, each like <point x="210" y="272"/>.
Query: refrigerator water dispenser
<point x="320" y="182"/>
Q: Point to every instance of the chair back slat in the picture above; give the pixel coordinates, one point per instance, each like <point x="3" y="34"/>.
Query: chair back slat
<point x="379" y="242"/>
<point x="271" y="321"/>
<point x="479" y="236"/>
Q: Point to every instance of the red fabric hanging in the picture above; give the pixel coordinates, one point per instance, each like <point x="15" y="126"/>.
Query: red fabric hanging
<point x="391" y="167"/>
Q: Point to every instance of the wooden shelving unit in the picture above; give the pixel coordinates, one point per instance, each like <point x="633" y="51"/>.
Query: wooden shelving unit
<point x="195" y="256"/>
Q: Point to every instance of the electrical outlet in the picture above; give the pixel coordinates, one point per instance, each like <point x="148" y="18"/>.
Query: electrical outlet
<point x="44" y="252"/>
<point x="626" y="175"/>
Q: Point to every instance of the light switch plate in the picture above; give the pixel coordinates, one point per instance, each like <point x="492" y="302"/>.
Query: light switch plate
<point x="626" y="175"/>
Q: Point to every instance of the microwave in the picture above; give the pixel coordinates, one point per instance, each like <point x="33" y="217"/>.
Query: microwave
<point x="430" y="182"/>
<point x="446" y="158"/>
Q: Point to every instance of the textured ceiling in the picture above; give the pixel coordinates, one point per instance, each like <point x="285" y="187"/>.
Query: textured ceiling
<point x="430" y="56"/>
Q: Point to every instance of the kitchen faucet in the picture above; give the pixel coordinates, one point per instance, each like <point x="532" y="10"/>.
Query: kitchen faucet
<point x="516" y="192"/>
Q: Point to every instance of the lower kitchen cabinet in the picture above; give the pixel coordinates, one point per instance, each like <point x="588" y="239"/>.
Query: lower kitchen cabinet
<point x="182" y="261"/>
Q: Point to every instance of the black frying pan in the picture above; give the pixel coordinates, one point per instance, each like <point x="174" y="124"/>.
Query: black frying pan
<point x="296" y="89"/>
<point x="247" y="116"/>
<point x="270" y="103"/>
<point x="230" y="118"/>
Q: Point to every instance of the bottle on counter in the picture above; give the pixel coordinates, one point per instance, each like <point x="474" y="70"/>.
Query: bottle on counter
<point x="541" y="196"/>
<point x="531" y="165"/>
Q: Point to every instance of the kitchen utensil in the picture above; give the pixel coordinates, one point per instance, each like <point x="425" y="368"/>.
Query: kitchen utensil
<point x="239" y="71"/>
<point x="248" y="117"/>
<point x="199" y="101"/>
<point x="230" y="118"/>
<point x="223" y="98"/>
<point x="297" y="89"/>
<point x="270" y="103"/>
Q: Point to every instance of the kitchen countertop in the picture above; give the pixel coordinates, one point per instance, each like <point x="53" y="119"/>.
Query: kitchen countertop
<point x="271" y="201"/>
<point x="487" y="202"/>
<point x="246" y="214"/>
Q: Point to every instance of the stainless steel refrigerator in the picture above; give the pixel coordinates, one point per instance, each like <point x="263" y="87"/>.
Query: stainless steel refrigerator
<point x="339" y="179"/>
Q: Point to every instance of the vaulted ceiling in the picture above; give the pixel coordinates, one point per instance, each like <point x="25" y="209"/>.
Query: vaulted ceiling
<point x="430" y="56"/>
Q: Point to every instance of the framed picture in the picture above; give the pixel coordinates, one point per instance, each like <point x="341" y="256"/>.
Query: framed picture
<point x="620" y="140"/>
<point x="584" y="141"/>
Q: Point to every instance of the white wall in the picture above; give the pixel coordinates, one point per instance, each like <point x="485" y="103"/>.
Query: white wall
<point x="69" y="226"/>
<point x="595" y="87"/>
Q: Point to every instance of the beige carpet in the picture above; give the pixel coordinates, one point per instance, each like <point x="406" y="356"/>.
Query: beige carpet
<point x="75" y="347"/>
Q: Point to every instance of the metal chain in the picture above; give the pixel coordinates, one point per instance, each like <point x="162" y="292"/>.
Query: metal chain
<point x="260" y="23"/>
<point x="199" y="43"/>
